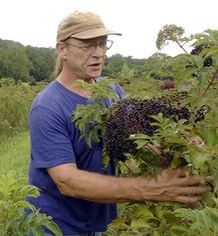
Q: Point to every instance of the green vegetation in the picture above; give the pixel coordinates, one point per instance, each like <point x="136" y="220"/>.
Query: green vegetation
<point x="192" y="144"/>
<point x="15" y="103"/>
<point x="15" y="154"/>
<point x="14" y="221"/>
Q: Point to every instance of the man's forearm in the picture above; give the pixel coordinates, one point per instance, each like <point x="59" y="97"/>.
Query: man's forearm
<point x="99" y="188"/>
<point x="170" y="186"/>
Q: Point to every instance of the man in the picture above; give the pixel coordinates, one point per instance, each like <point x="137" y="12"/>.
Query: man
<point x="76" y="190"/>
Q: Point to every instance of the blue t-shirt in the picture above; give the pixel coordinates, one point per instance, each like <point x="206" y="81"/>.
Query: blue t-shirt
<point x="55" y="141"/>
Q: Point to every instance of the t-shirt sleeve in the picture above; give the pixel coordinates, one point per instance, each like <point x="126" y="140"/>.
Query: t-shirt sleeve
<point x="50" y="140"/>
<point x="120" y="91"/>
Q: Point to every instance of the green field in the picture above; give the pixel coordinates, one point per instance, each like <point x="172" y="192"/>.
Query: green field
<point x="14" y="154"/>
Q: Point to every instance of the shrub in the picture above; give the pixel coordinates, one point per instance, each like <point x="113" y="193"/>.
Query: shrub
<point x="13" y="220"/>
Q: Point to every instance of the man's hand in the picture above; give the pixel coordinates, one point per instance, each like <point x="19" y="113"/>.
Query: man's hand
<point x="175" y="186"/>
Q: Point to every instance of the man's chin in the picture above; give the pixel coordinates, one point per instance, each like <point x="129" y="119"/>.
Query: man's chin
<point x="90" y="80"/>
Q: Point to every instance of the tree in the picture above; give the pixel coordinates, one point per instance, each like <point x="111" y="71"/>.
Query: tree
<point x="43" y="60"/>
<point x="14" y="61"/>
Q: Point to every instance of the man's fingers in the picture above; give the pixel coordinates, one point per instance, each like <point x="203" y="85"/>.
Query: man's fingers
<point x="194" y="190"/>
<point x="191" y="194"/>
<point x="188" y="199"/>
<point x="195" y="180"/>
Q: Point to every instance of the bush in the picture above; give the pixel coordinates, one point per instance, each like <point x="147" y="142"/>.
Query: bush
<point x="15" y="103"/>
<point x="13" y="220"/>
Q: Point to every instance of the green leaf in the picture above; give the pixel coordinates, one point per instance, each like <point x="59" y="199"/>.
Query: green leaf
<point x="24" y="204"/>
<point x="140" y="223"/>
<point x="140" y="143"/>
<point x="119" y="223"/>
<point x="210" y="135"/>
<point x="37" y="231"/>
<point x="144" y="211"/>
<point x="52" y="226"/>
<point x="155" y="233"/>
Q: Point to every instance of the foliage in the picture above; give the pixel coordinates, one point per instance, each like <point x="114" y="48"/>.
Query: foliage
<point x="28" y="64"/>
<point x="199" y="222"/>
<point x="146" y="87"/>
<point x="197" y="143"/>
<point x="15" y="102"/>
<point x="14" y="62"/>
<point x="96" y="111"/>
<point x="201" y="84"/>
<point x="113" y="65"/>
<point x="43" y="61"/>
<point x="123" y="69"/>
<point x="15" y="153"/>
<point x="14" y="221"/>
<point x="165" y="68"/>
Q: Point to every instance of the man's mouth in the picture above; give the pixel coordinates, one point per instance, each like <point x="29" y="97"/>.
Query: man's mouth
<point x="96" y="66"/>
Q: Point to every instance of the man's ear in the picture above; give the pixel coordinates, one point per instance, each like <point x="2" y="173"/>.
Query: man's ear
<point x="61" y="50"/>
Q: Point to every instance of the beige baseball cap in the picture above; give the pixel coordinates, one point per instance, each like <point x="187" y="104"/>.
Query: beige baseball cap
<point x="82" y="25"/>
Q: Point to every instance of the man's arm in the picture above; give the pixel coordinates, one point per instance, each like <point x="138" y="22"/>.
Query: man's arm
<point x="170" y="186"/>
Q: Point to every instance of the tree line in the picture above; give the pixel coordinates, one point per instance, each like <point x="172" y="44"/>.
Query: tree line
<point x="34" y="64"/>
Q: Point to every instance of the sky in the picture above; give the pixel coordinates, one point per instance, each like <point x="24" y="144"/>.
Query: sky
<point x="35" y="22"/>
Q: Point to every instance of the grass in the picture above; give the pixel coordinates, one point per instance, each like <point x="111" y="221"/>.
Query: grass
<point x="15" y="154"/>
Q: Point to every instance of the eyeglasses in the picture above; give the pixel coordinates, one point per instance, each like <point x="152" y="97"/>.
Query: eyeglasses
<point x="105" y="45"/>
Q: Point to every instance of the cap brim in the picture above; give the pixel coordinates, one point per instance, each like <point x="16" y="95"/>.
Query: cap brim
<point x="94" y="33"/>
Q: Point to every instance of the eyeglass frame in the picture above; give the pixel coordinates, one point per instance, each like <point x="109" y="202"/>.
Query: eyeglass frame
<point x="92" y="46"/>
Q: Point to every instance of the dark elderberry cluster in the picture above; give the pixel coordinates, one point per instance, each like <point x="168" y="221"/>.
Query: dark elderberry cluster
<point x="198" y="49"/>
<point x="200" y="114"/>
<point x="131" y="116"/>
<point x="172" y="99"/>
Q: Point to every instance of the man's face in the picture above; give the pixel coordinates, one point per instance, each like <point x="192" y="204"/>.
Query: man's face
<point x="86" y="57"/>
